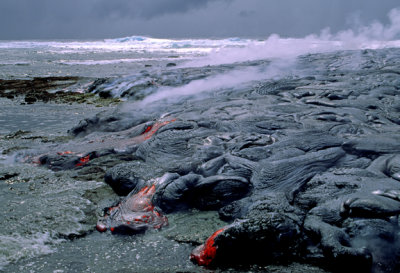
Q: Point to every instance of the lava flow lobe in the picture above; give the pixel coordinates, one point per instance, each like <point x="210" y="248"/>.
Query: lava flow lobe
<point x="205" y="253"/>
<point x="134" y="214"/>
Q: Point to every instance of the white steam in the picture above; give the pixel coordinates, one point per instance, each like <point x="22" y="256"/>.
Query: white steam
<point x="235" y="78"/>
<point x="282" y="54"/>
<point x="374" y="36"/>
<point x="375" y="31"/>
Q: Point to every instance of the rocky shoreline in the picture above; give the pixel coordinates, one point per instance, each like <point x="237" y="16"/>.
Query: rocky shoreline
<point x="52" y="89"/>
<point x="302" y="169"/>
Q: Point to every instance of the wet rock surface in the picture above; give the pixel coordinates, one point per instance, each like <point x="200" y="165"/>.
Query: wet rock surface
<point x="54" y="89"/>
<point x="304" y="168"/>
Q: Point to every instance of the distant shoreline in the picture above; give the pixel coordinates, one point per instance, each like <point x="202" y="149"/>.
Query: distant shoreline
<point x="52" y="89"/>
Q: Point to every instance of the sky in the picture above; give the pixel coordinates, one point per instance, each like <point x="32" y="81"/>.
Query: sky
<point x="98" y="19"/>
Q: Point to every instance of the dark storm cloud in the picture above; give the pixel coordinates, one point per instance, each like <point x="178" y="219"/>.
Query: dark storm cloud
<point x="30" y="19"/>
<point x="147" y="9"/>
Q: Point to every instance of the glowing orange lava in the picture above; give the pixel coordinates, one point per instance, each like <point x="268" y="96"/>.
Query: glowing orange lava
<point x="205" y="253"/>
<point x="65" y="153"/>
<point x="151" y="130"/>
<point x="83" y="161"/>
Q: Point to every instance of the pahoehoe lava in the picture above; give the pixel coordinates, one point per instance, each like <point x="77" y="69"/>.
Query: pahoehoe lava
<point x="303" y="168"/>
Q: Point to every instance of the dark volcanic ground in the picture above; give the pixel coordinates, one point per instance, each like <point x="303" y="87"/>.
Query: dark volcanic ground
<point x="301" y="168"/>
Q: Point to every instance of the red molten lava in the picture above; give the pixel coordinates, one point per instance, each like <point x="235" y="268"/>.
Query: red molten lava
<point x="135" y="213"/>
<point x="151" y="130"/>
<point x="148" y="132"/>
<point x="205" y="253"/>
<point x="83" y="161"/>
<point x="101" y="227"/>
<point x="147" y="129"/>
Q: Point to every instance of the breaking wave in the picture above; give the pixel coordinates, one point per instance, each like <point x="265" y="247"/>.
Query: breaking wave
<point x="16" y="247"/>
<point x="138" y="44"/>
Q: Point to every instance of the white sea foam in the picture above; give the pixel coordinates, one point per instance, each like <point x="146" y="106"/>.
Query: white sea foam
<point x="15" y="247"/>
<point x="116" y="61"/>
<point x="128" y="44"/>
<point x="7" y="160"/>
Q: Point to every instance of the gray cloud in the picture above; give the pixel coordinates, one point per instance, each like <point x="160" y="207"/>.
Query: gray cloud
<point x="147" y="9"/>
<point x="31" y="19"/>
<point x="246" y="13"/>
